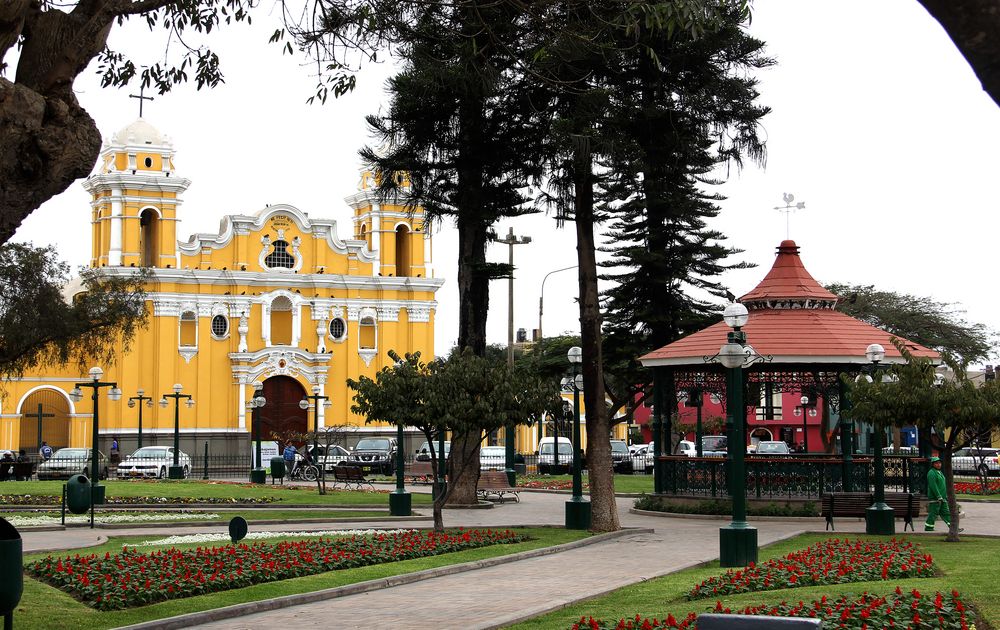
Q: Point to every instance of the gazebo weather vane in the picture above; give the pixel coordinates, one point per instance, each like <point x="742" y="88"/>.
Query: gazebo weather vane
<point x="788" y="209"/>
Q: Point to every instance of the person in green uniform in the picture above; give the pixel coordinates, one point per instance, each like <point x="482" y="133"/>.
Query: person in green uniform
<point x="937" y="495"/>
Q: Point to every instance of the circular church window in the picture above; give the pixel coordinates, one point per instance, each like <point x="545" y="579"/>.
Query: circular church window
<point x="220" y="326"/>
<point x="338" y="329"/>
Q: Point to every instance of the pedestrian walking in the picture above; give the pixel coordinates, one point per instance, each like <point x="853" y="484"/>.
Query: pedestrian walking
<point x="45" y="452"/>
<point x="937" y="495"/>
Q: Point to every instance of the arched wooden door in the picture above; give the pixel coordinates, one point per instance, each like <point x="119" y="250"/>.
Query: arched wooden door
<point x="55" y="420"/>
<point x="281" y="416"/>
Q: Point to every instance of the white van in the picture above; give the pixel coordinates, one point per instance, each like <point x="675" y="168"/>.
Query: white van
<point x="546" y="455"/>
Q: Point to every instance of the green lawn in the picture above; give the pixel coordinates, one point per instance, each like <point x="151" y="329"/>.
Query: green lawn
<point x="968" y="566"/>
<point x="43" y="607"/>
<point x="286" y="495"/>
<point x="624" y="484"/>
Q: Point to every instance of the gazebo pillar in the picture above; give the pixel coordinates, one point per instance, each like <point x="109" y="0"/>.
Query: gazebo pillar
<point x="846" y="436"/>
<point x="663" y="393"/>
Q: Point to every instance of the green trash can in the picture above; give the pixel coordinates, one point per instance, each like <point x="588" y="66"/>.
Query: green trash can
<point x="78" y="494"/>
<point x="277" y="468"/>
<point x="11" y="571"/>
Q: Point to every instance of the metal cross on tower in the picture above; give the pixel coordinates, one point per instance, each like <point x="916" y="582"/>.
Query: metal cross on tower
<point x="142" y="89"/>
<point x="788" y="209"/>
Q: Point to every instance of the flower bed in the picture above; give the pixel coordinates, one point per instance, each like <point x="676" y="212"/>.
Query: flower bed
<point x="51" y="499"/>
<point x="544" y="484"/>
<point x="832" y="561"/>
<point x="132" y="578"/>
<point x="187" y="539"/>
<point x="899" y="610"/>
<point x="24" y="520"/>
<point x="976" y="487"/>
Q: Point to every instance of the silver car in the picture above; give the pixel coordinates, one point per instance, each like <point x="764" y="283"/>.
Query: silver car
<point x="152" y="462"/>
<point x="67" y="462"/>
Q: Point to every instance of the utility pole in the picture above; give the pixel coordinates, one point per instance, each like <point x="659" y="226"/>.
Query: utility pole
<point x="510" y="241"/>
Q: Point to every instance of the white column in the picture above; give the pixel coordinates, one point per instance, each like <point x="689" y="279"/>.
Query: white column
<point x="115" y="250"/>
<point x="376" y="233"/>
<point x="243" y="406"/>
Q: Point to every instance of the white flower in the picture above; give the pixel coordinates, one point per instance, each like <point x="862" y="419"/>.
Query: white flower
<point x="29" y="521"/>
<point x="222" y="537"/>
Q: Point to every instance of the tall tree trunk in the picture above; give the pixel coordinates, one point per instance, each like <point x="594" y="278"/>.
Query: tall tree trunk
<point x="949" y="485"/>
<point x="604" y="509"/>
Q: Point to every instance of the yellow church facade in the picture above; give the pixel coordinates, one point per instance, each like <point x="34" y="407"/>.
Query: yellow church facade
<point x="275" y="299"/>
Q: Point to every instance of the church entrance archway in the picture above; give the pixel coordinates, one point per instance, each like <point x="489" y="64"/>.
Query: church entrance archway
<point x="281" y="416"/>
<point x="55" y="420"/>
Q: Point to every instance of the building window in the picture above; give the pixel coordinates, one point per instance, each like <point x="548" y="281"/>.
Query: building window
<point x="148" y="237"/>
<point x="338" y="329"/>
<point x="402" y="251"/>
<point x="220" y="326"/>
<point x="281" y="321"/>
<point x="366" y="333"/>
<point x="280" y="256"/>
<point x="769" y="405"/>
<point x="189" y="329"/>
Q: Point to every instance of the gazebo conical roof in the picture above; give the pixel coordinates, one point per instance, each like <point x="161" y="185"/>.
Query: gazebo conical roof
<point x="792" y="319"/>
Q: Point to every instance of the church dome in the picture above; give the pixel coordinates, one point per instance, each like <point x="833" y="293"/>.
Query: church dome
<point x="139" y="132"/>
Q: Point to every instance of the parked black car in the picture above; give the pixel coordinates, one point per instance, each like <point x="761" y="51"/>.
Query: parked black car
<point x="376" y="455"/>
<point x="621" y="459"/>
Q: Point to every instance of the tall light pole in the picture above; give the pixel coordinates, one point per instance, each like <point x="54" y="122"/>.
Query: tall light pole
<point x="257" y="473"/>
<point x="138" y="399"/>
<point x="176" y="471"/>
<point x="879" y="518"/>
<point x="578" y="513"/>
<point x="76" y="395"/>
<point x="807" y="409"/>
<point x="738" y="540"/>
<point x="304" y="404"/>
<point x="541" y="303"/>
<point x="510" y="241"/>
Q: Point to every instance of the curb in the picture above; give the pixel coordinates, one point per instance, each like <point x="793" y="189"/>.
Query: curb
<point x="719" y="517"/>
<point x="188" y="620"/>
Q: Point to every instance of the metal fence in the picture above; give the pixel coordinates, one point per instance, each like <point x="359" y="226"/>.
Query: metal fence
<point x="790" y="477"/>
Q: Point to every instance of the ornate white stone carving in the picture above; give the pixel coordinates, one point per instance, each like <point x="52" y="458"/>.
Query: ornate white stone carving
<point x="388" y="313"/>
<point x="243" y="329"/>
<point x="367" y="354"/>
<point x="418" y="314"/>
<point x="188" y="352"/>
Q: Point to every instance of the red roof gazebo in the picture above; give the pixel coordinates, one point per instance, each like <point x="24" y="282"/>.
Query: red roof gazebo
<point x="793" y="323"/>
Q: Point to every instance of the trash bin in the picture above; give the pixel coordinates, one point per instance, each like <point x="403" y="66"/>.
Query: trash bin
<point x="11" y="571"/>
<point x="78" y="494"/>
<point x="277" y="468"/>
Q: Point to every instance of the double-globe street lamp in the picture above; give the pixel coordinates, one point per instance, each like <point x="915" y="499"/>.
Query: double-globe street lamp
<point x="738" y="540"/>
<point x="257" y="472"/>
<point x="176" y="471"/>
<point x="806" y="409"/>
<point x="138" y="399"/>
<point x="879" y="518"/>
<point x="578" y="513"/>
<point x="76" y="395"/>
<point x="316" y="400"/>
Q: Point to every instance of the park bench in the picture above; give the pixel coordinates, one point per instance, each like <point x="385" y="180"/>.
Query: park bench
<point x="24" y="470"/>
<point x="906" y="505"/>
<point x="419" y="472"/>
<point x="494" y="483"/>
<point x="351" y="477"/>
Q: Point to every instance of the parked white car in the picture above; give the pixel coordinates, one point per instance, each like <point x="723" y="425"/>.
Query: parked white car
<point x="547" y="455"/>
<point x="492" y="458"/>
<point x="67" y="462"/>
<point x="152" y="461"/>
<point x="976" y="460"/>
<point x="329" y="458"/>
<point x="775" y="447"/>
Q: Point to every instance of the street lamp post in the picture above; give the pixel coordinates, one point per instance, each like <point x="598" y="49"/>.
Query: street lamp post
<point x="257" y="473"/>
<point x="138" y="399"/>
<point x="510" y="241"/>
<point x="176" y="471"/>
<point x="541" y="309"/>
<point x="76" y="395"/>
<point x="879" y="518"/>
<point x="738" y="540"/>
<point x="578" y="515"/>
<point x="304" y="404"/>
<point x="807" y="409"/>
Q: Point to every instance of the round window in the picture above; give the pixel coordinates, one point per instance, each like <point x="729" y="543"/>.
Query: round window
<point x="338" y="328"/>
<point x="220" y="326"/>
<point x="148" y="162"/>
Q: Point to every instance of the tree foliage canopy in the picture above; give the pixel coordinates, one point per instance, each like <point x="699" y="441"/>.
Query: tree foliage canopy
<point x="38" y="326"/>
<point x="936" y="325"/>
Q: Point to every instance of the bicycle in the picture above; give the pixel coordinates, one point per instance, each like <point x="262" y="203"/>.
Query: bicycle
<point x="304" y="470"/>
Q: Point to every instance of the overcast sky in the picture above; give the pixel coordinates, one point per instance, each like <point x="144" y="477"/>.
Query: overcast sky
<point x="878" y="125"/>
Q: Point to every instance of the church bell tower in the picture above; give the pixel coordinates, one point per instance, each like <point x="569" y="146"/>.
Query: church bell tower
<point x="134" y="200"/>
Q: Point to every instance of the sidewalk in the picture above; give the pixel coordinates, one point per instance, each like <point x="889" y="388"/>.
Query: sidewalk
<point x="506" y="593"/>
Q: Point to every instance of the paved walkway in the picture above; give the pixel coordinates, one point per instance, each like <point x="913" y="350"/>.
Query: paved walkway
<point x="506" y="593"/>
